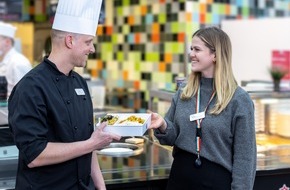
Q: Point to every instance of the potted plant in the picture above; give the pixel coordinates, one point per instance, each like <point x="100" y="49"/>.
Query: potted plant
<point x="277" y="73"/>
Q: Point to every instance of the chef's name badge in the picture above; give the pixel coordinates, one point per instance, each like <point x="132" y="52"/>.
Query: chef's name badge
<point x="197" y="116"/>
<point x="80" y="91"/>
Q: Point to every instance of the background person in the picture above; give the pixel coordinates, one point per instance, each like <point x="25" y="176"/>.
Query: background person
<point x="13" y="65"/>
<point x="210" y="122"/>
<point x="51" y="113"/>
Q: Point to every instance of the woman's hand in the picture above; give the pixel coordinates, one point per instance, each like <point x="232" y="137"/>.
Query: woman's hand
<point x="157" y="122"/>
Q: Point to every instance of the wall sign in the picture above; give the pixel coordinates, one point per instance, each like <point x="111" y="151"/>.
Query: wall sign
<point x="11" y="10"/>
<point x="281" y="58"/>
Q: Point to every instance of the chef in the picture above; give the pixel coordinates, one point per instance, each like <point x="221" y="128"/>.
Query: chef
<point x="13" y="64"/>
<point x="51" y="112"/>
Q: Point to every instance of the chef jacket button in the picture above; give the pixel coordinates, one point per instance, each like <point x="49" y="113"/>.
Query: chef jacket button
<point x="68" y="102"/>
<point x="90" y="123"/>
<point x="85" y="98"/>
<point x="57" y="79"/>
<point x="75" y="127"/>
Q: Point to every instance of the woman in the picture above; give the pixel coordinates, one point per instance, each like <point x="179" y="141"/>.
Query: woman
<point x="210" y="122"/>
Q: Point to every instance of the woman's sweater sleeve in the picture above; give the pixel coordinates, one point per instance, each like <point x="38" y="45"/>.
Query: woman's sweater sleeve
<point x="169" y="135"/>
<point x="244" y="145"/>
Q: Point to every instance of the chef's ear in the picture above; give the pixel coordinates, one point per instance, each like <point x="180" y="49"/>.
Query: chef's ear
<point x="69" y="40"/>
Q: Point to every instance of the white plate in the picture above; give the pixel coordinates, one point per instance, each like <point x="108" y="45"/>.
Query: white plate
<point x="116" y="150"/>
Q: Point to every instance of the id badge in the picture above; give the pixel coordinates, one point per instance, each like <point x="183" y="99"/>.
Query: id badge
<point x="80" y="91"/>
<point x="197" y="116"/>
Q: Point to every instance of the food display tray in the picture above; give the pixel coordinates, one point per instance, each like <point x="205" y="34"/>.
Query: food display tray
<point x="129" y="128"/>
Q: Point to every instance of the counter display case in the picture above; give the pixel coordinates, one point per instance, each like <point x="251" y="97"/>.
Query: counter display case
<point x="150" y="168"/>
<point x="147" y="170"/>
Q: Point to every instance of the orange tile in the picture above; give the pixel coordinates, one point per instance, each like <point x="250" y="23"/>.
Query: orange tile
<point x="137" y="38"/>
<point x="136" y="85"/>
<point x="109" y="30"/>
<point x="188" y="17"/>
<point x="143" y="10"/>
<point x="99" y="65"/>
<point x="161" y="1"/>
<point x="125" y="75"/>
<point x="131" y="20"/>
<point x="94" y="73"/>
<point x="155" y="28"/>
<point x="228" y="9"/>
<point x="202" y="18"/>
<point x="100" y="30"/>
<point x="202" y="8"/>
<point x="168" y="58"/>
<point x="181" y="37"/>
<point x="155" y="38"/>
<point x="162" y="66"/>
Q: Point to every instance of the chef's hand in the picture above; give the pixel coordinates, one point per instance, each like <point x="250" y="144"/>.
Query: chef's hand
<point x="102" y="138"/>
<point x="157" y="122"/>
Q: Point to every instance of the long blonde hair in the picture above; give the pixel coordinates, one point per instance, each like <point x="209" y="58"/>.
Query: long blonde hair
<point x="224" y="81"/>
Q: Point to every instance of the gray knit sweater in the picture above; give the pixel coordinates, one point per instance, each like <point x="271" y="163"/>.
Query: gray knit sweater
<point x="227" y="139"/>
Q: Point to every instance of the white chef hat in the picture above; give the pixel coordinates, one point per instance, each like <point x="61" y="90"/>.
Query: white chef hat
<point x="77" y="16"/>
<point x="7" y="30"/>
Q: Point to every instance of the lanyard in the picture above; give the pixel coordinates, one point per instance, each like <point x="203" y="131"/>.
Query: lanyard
<point x="198" y="125"/>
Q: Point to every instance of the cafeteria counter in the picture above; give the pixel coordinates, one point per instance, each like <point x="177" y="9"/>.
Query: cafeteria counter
<point x="150" y="168"/>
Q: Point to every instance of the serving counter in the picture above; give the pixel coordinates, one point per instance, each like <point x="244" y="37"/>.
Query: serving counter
<point x="150" y="168"/>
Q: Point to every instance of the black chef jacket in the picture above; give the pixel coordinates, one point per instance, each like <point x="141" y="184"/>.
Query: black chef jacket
<point x="48" y="106"/>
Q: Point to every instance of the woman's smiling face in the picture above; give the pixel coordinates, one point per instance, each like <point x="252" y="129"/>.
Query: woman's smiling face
<point x="202" y="58"/>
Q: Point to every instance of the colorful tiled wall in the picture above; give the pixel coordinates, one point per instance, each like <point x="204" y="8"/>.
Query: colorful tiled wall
<point x="143" y="44"/>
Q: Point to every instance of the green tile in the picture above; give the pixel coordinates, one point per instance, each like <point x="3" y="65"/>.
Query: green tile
<point x="222" y="8"/>
<point x="108" y="57"/>
<point x="107" y="46"/>
<point x="119" y="11"/>
<point x="190" y="29"/>
<point x="137" y="56"/>
<point x="208" y="18"/>
<point x="137" y="66"/>
<point x="126" y="2"/>
<point x="131" y="56"/>
<point x="152" y="56"/>
<point x="174" y="27"/>
<point x="215" y="7"/>
<point x="114" y="38"/>
<point x="144" y="86"/>
<point x="158" y="77"/>
<point x="168" y="47"/>
<point x="162" y="18"/>
<point x="168" y="77"/>
<point x="245" y="12"/>
<point x="177" y="47"/>
<point x="120" y="56"/>
<point x="126" y="29"/>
